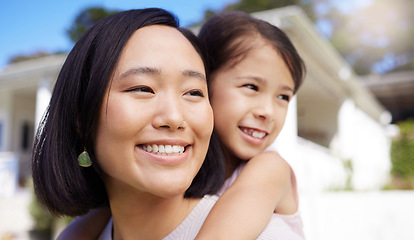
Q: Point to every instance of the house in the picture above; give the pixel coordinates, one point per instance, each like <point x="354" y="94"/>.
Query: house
<point x="335" y="135"/>
<point x="25" y="90"/>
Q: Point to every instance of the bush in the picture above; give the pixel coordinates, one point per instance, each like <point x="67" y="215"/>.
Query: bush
<point x="45" y="224"/>
<point x="402" y="156"/>
<point x="43" y="220"/>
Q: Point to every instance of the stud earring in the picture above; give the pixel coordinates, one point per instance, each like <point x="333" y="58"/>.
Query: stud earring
<point x="84" y="160"/>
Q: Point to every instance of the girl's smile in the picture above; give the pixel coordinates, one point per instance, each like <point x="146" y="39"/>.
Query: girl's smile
<point x="254" y="133"/>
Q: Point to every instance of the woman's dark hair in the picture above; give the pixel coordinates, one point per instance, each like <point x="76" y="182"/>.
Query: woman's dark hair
<point x="69" y="124"/>
<point x="226" y="37"/>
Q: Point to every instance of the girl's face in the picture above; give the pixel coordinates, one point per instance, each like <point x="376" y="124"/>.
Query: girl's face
<point x="156" y="120"/>
<point x="250" y="101"/>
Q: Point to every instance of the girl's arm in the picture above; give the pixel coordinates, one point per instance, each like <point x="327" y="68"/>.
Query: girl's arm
<point x="88" y="226"/>
<point x="245" y="208"/>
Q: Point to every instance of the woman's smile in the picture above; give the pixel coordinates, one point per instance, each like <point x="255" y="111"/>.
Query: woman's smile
<point x="161" y="149"/>
<point x="168" y="155"/>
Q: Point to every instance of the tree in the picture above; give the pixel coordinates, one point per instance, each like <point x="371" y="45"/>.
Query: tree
<point x="21" y="58"/>
<point x="251" y="6"/>
<point x="374" y="37"/>
<point x="86" y="19"/>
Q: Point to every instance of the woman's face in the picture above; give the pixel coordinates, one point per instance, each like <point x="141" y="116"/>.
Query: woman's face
<point x="250" y="101"/>
<point x="156" y="120"/>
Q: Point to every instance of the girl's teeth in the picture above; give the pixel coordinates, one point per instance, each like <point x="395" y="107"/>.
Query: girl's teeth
<point x="257" y="134"/>
<point x="163" y="149"/>
<point x="254" y="133"/>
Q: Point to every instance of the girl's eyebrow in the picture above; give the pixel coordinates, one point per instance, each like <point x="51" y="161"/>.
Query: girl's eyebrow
<point x="156" y="71"/>
<point x="287" y="88"/>
<point x="261" y="80"/>
<point x="250" y="77"/>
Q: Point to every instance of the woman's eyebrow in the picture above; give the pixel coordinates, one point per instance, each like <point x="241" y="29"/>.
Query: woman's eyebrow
<point x="194" y="74"/>
<point x="156" y="71"/>
<point x="139" y="70"/>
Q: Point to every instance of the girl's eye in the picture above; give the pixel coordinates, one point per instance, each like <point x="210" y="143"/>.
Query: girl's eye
<point x="144" y="89"/>
<point x="251" y="86"/>
<point x="197" y="93"/>
<point x="284" y="97"/>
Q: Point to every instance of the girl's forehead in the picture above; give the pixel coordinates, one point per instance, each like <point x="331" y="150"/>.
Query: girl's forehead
<point x="244" y="47"/>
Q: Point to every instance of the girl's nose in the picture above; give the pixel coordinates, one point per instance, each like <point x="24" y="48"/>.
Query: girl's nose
<point x="264" y="110"/>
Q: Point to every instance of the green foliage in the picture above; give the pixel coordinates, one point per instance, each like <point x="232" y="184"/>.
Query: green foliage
<point x="86" y="19"/>
<point x="251" y="6"/>
<point x="21" y="58"/>
<point x="402" y="156"/>
<point x="44" y="222"/>
<point x="43" y="219"/>
<point x="349" y="169"/>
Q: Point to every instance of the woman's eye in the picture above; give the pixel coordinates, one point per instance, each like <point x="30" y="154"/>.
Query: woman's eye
<point x="284" y="97"/>
<point x="141" y="89"/>
<point x="197" y="93"/>
<point x="251" y="86"/>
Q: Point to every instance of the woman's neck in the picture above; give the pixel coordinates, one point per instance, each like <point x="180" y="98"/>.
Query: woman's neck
<point x="148" y="217"/>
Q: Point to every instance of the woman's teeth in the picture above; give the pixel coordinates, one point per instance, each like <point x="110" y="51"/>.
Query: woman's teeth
<point x="163" y="149"/>
<point x="254" y="133"/>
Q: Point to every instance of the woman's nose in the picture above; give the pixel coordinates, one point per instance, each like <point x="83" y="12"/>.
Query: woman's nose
<point x="170" y="115"/>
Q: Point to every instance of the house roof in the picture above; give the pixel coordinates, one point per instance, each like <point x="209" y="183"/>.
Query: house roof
<point x="395" y="91"/>
<point x="27" y="74"/>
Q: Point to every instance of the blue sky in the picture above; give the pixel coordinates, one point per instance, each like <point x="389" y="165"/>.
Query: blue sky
<point x="28" y="26"/>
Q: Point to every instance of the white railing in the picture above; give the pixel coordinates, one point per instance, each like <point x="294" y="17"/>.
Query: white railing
<point x="9" y="172"/>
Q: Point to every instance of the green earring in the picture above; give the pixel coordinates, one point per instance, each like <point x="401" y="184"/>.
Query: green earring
<point x="84" y="160"/>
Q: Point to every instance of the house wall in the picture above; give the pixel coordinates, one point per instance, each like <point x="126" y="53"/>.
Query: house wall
<point x="316" y="168"/>
<point x="23" y="130"/>
<point x="357" y="157"/>
<point x="364" y="142"/>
